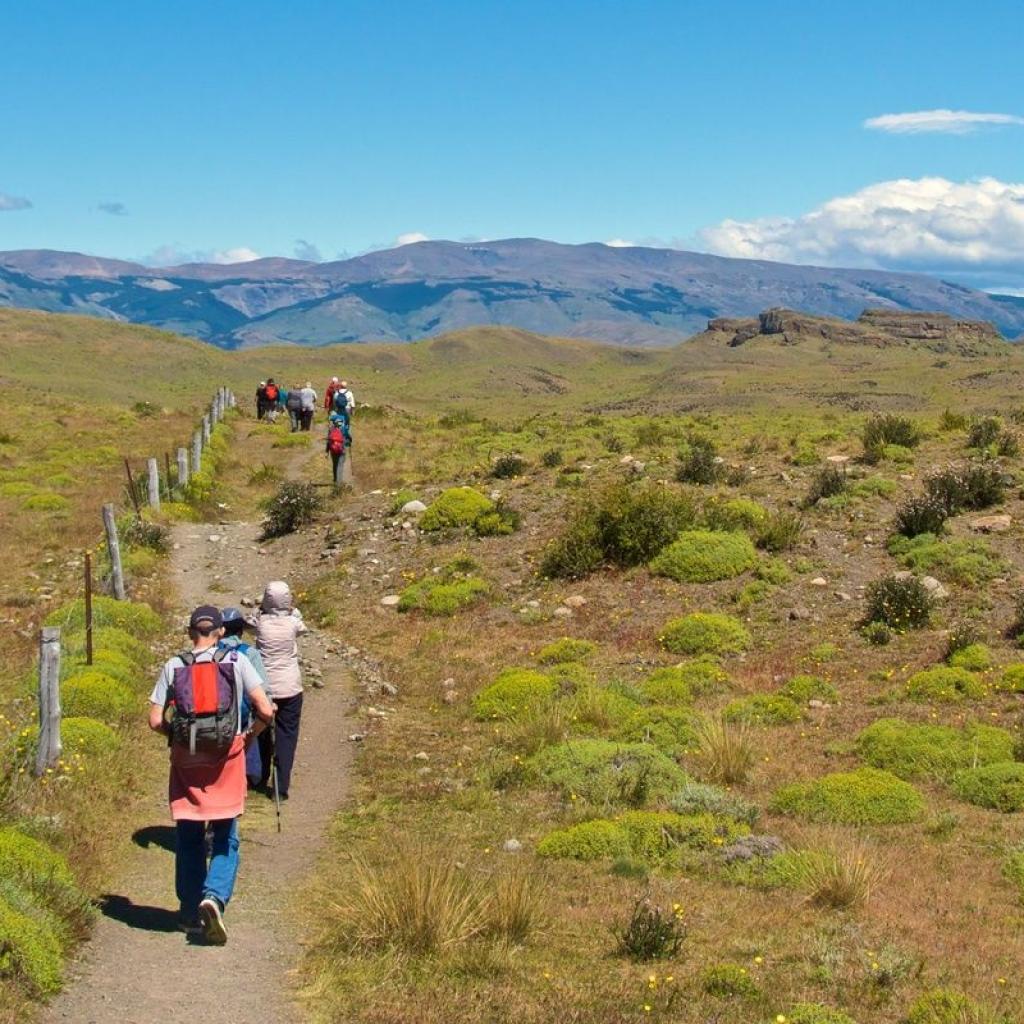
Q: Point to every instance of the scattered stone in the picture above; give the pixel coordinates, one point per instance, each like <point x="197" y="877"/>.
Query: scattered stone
<point x="838" y="460"/>
<point x="512" y="846"/>
<point x="448" y="684"/>
<point x="819" y="581"/>
<point x="495" y="495"/>
<point x="637" y="467"/>
<point x="376" y="713"/>
<point x="391" y="600"/>
<point x="749" y="847"/>
<point x="215" y="538"/>
<point x="562" y="612"/>
<point x="421" y="756"/>
<point x="356" y="737"/>
<point x="841" y="595"/>
<point x="625" y="460"/>
<point x="449" y="696"/>
<point x="992" y="524"/>
<point x="815" y="703"/>
<point x="575" y="601"/>
<point x="413" y="507"/>
<point x="935" y="588"/>
<point x="317" y="683"/>
<point x="799" y="614"/>
<point x="533" y="604"/>
<point x="389" y="689"/>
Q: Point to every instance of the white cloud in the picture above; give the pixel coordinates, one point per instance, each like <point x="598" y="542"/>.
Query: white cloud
<point x="410" y="237"/>
<point x="241" y="254"/>
<point x="9" y="202"/>
<point x="175" y="255"/>
<point x="619" y="243"/>
<point x="950" y="122"/>
<point x="925" y="223"/>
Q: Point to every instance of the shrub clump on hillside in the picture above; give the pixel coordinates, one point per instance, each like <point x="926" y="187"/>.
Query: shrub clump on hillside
<point x="763" y="709"/>
<point x="974" y="657"/>
<point x="567" y="649"/>
<point x="961" y="560"/>
<point x="944" y="684"/>
<point x="439" y="596"/>
<point x="132" y="617"/>
<point x="455" y="508"/>
<point x="87" y="737"/>
<point x="735" y="514"/>
<point x="997" y="786"/>
<point x="865" y="796"/>
<point x="816" y="1013"/>
<point x="93" y="694"/>
<point x="888" y="429"/>
<point x="294" y="505"/>
<point x="921" y="514"/>
<point x="1011" y="680"/>
<point x="910" y="750"/>
<point x="648" y="836"/>
<point x="32" y="955"/>
<point x="704" y="798"/>
<point x="679" y="684"/>
<point x="44" y="873"/>
<point x="943" y="1006"/>
<point x="899" y="602"/>
<point x="516" y="692"/>
<point x="826" y="483"/>
<point x="699" y="462"/>
<point x="979" y="485"/>
<point x="624" y="525"/>
<point x="803" y="689"/>
<point x="603" y="772"/>
<point x="703" y="556"/>
<point x="704" y="633"/>
<point x="727" y="981"/>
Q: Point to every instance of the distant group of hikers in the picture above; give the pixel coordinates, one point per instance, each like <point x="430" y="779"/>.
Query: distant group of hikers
<point x="230" y="710"/>
<point x="301" y="403"/>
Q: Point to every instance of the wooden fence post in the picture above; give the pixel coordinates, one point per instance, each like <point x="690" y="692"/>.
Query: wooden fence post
<point x="206" y="429"/>
<point x="153" y="469"/>
<point x="167" y="475"/>
<point x="49" y="750"/>
<point x="114" y="550"/>
<point x="197" y="452"/>
<point x="88" y="607"/>
<point x="182" y="467"/>
<point x="131" y="487"/>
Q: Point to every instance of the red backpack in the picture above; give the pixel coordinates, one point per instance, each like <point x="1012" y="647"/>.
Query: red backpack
<point x="271" y="392"/>
<point x="336" y="441"/>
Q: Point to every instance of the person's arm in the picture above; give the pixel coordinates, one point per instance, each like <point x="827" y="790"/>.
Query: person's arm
<point x="158" y="701"/>
<point x="300" y="625"/>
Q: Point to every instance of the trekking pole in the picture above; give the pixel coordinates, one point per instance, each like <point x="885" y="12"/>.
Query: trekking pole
<point x="273" y="771"/>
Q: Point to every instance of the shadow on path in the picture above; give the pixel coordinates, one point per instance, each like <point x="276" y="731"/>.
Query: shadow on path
<point x="161" y="836"/>
<point x="134" y="915"/>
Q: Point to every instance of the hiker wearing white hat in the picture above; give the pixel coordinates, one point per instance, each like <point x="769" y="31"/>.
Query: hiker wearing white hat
<point x="308" y="396"/>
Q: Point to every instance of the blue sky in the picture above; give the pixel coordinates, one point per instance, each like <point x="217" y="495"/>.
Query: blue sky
<point x="153" y="130"/>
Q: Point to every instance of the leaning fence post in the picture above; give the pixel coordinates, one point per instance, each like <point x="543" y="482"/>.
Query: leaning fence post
<point x="182" y="467"/>
<point x="153" y="469"/>
<point x="197" y="452"/>
<point x="88" y="608"/>
<point x="114" y="550"/>
<point x="49" y="750"/>
<point x="206" y="429"/>
<point x="131" y="486"/>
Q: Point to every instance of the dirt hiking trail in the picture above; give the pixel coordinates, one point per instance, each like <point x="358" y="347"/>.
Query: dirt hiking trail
<point x="138" y="968"/>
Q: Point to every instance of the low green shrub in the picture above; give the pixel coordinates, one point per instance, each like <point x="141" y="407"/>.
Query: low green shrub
<point x="604" y="772"/>
<point x="901" y="603"/>
<point x="650" y="933"/>
<point x="977" y="486"/>
<point x="508" y="466"/>
<point x="30" y="953"/>
<point x="910" y="750"/>
<point x="997" y="786"/>
<point x="668" y="686"/>
<point x="109" y="638"/>
<point x="625" y="524"/>
<point x="698" y="461"/>
<point x="890" y="428"/>
<point x="1013" y="870"/>
<point x="670" y="729"/>
<point x="92" y="694"/>
<point x="567" y="649"/>
<point x="943" y="1006"/>
<point x="112" y="663"/>
<point x="457" y="507"/>
<point x="727" y="981"/>
<point x="599" y="839"/>
<point x="802" y="689"/>
<point x="41" y="871"/>
<point x="1011" y="680"/>
<point x="47" y="502"/>
<point x="698" y="677"/>
<point x="962" y="560"/>
<point x="703" y="556"/>
<point x="826" y="483"/>
<point x="865" y="796"/>
<point x="734" y="514"/>
<point x="972" y="658"/>
<point x="703" y="798"/>
<point x="516" y="692"/>
<point x="763" y="709"/>
<point x="704" y="633"/>
<point x="85" y="736"/>
<point x="441" y="597"/>
<point x="944" y="684"/>
<point x="780" y="532"/>
<point x="132" y="617"/>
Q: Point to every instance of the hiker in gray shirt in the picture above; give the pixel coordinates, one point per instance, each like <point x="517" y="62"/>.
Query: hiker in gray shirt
<point x="308" y="405"/>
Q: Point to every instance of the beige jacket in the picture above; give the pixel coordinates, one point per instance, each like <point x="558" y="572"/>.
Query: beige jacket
<point x="278" y="626"/>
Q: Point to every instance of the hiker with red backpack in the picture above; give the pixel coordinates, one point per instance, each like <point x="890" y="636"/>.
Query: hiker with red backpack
<point x="197" y="704"/>
<point x="334" y="386"/>
<point x="337" y="444"/>
<point x="272" y="395"/>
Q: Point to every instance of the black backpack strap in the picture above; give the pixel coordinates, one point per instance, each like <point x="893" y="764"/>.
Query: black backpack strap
<point x="187" y="658"/>
<point x="221" y="653"/>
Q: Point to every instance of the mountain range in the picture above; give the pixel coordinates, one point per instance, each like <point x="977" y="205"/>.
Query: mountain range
<point x="632" y="296"/>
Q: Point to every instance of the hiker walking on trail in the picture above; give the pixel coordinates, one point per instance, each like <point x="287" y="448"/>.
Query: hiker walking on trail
<point x="197" y="704"/>
<point x="293" y="403"/>
<point x="335" y="385"/>
<point x="343" y="405"/>
<point x="278" y="626"/>
<point x="234" y="628"/>
<point x="337" y="428"/>
<point x="273" y="398"/>
<point x="308" y="405"/>
<point x="261" y="400"/>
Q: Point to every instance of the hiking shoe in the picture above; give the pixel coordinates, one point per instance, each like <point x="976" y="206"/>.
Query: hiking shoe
<point x="189" y="924"/>
<point x="212" y="917"/>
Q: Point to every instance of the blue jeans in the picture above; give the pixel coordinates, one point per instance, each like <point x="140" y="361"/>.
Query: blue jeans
<point x="194" y="879"/>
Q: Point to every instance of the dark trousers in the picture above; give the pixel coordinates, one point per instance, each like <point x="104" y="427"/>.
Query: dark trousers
<point x="307" y="418"/>
<point x="197" y="875"/>
<point x="286" y="726"/>
<point x="294" y="415"/>
<point x="337" y="462"/>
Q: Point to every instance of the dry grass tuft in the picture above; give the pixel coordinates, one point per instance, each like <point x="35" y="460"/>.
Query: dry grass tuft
<point x="842" y="875"/>
<point x="725" y="751"/>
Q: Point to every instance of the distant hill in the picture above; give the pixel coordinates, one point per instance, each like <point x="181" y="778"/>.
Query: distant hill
<point x="638" y="297"/>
